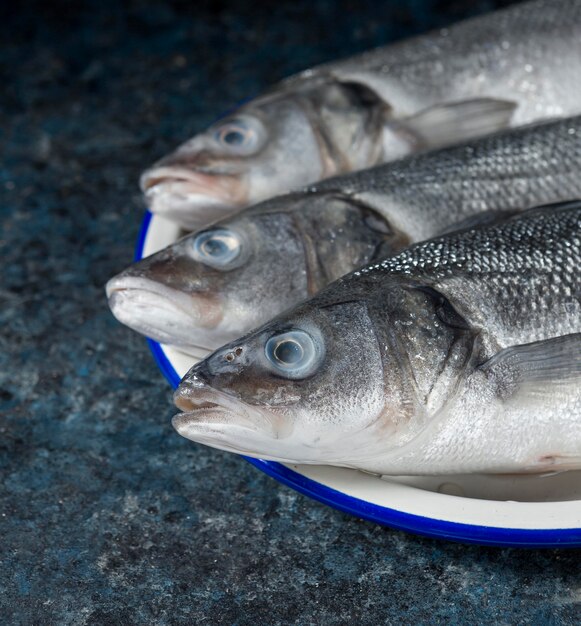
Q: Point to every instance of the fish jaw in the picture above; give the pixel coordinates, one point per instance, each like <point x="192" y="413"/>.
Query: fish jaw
<point x="191" y="198"/>
<point x="223" y="421"/>
<point x="181" y="319"/>
<point x="260" y="425"/>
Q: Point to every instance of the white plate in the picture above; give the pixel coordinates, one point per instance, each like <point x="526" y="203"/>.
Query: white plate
<point x="495" y="510"/>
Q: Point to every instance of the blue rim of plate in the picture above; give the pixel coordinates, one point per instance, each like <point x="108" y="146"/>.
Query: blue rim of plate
<point x="417" y="524"/>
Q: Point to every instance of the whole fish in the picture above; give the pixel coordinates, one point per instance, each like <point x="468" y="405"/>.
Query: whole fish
<point x="215" y="285"/>
<point x="461" y="354"/>
<point x="511" y="67"/>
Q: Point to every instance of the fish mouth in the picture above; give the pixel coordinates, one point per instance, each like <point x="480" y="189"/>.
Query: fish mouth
<point x="222" y="421"/>
<point x="191" y="198"/>
<point x="165" y="314"/>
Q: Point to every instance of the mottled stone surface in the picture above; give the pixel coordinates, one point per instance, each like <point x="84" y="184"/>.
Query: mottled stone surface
<point x="107" y="515"/>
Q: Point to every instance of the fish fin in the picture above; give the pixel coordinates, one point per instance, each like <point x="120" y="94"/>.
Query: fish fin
<point x="541" y="370"/>
<point x="445" y="124"/>
<point x="541" y="378"/>
<point x="539" y="474"/>
<point x="555" y="206"/>
<point x="486" y="218"/>
<point x="550" y="474"/>
<point x="492" y="216"/>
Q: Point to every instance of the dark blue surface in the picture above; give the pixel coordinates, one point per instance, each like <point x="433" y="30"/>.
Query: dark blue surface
<point x="107" y="515"/>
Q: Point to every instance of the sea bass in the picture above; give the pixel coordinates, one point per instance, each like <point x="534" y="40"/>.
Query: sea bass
<point x="506" y="68"/>
<point x="461" y="354"/>
<point x="217" y="284"/>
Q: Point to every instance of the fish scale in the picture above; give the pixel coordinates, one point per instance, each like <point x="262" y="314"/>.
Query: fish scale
<point x="515" y="169"/>
<point x="296" y="244"/>
<point x="483" y="265"/>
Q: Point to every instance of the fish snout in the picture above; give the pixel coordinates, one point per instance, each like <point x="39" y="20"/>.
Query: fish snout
<point x="229" y="360"/>
<point x="191" y="197"/>
<point x="193" y="391"/>
<point x="166" y="174"/>
<point x="218" y="417"/>
<point x="186" y="320"/>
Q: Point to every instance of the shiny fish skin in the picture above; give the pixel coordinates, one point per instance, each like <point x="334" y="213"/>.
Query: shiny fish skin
<point x="510" y="67"/>
<point x="524" y="53"/>
<point x="461" y="354"/>
<point x="516" y="282"/>
<point x="517" y="169"/>
<point x="298" y="243"/>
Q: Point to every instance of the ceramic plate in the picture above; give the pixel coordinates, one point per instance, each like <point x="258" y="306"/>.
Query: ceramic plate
<point x="495" y="510"/>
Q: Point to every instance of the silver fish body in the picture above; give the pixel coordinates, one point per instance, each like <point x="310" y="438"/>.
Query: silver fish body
<point x="423" y="195"/>
<point x="511" y="67"/>
<point x="461" y="354"/>
<point x="288" y="248"/>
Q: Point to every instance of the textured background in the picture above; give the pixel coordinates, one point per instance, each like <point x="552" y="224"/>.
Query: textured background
<point x="107" y="516"/>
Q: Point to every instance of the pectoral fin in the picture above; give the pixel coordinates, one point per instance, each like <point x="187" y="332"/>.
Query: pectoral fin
<point x="543" y="381"/>
<point x="542" y="369"/>
<point x="486" y="218"/>
<point x="455" y="122"/>
<point x="492" y="217"/>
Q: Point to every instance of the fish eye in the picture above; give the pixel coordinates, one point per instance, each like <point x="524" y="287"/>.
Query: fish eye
<point x="294" y="354"/>
<point x="241" y="135"/>
<point x="218" y="248"/>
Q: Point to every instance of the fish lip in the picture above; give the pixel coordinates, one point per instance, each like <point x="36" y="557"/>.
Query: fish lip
<point x="128" y="294"/>
<point x="121" y="283"/>
<point x="191" y="198"/>
<point x="158" y="174"/>
<point x="205" y="399"/>
<point x="217" y="187"/>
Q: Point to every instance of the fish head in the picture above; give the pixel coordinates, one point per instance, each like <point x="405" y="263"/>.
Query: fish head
<point x="270" y="145"/>
<point x="338" y="380"/>
<point x="204" y="289"/>
<point x="275" y="394"/>
<point x="214" y="285"/>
